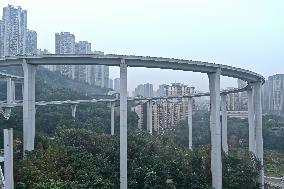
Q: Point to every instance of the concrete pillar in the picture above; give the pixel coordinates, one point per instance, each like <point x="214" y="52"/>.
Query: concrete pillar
<point x="224" y="124"/>
<point x="29" y="106"/>
<point x="258" y="128"/>
<point x="252" y="145"/>
<point x="149" y="117"/>
<point x="73" y="69"/>
<point x="123" y="125"/>
<point x="215" y="125"/>
<point x="189" y="120"/>
<point x="13" y="92"/>
<point x="74" y="109"/>
<point x="112" y="117"/>
<point x="23" y="90"/>
<point x="8" y="158"/>
<point x="9" y="91"/>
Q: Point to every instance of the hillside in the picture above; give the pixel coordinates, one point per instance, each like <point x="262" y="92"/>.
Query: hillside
<point x="55" y="80"/>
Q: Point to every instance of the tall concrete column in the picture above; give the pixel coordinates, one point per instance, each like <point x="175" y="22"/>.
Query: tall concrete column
<point x="112" y="117"/>
<point x="149" y="117"/>
<point x="189" y="120"/>
<point x="9" y="91"/>
<point x="215" y="125"/>
<point x="22" y="86"/>
<point x="224" y="124"/>
<point x="123" y="125"/>
<point x="252" y="145"/>
<point x="258" y="128"/>
<point x="29" y="106"/>
<point x="74" y="109"/>
<point x="13" y="92"/>
<point x="8" y="158"/>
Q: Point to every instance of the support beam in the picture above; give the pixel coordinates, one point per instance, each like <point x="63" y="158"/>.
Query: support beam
<point x="29" y="107"/>
<point x="215" y="125"/>
<point x="251" y="121"/>
<point x="112" y="117"/>
<point x="149" y="117"/>
<point x="224" y="124"/>
<point x="123" y="125"/>
<point x="258" y="129"/>
<point x="74" y="109"/>
<point x="189" y="120"/>
<point x="8" y="158"/>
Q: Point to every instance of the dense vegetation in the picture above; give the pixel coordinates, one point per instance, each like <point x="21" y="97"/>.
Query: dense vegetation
<point x="273" y="137"/>
<point x="83" y="158"/>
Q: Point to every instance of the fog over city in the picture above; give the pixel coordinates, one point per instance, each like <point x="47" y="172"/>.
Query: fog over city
<point x="246" y="34"/>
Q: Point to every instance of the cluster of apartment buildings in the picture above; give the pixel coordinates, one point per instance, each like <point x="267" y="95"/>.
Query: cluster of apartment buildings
<point x="272" y="96"/>
<point x="144" y="90"/>
<point x="166" y="113"/>
<point x="17" y="39"/>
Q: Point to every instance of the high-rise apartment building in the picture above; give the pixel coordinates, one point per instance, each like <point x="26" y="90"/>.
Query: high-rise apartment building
<point x="110" y="83"/>
<point x="1" y="39"/>
<point x="94" y="75"/>
<point x="166" y="113"/>
<point x="31" y="43"/>
<point x="237" y="101"/>
<point x="65" y="44"/>
<point x="145" y="90"/>
<point x="101" y="73"/>
<point x="116" y="84"/>
<point x="14" y="23"/>
<point x="273" y="95"/>
<point x="83" y="72"/>
<point x="83" y="47"/>
<point x="176" y="89"/>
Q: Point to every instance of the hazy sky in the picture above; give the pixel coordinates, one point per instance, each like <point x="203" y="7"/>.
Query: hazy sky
<point x="242" y="33"/>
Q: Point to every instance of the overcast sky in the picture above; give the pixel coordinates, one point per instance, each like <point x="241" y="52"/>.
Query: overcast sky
<point x="244" y="33"/>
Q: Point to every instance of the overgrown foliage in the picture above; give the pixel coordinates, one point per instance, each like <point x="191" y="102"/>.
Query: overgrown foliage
<point x="81" y="158"/>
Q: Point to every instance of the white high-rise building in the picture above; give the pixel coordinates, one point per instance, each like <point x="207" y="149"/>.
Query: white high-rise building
<point x="116" y="84"/>
<point x="101" y="73"/>
<point x="31" y="43"/>
<point x="65" y="44"/>
<point x="84" y="72"/>
<point x="1" y="39"/>
<point x="273" y="94"/>
<point x="176" y="89"/>
<point x="237" y="101"/>
<point x="110" y="83"/>
<point x="14" y="23"/>
<point x="145" y="90"/>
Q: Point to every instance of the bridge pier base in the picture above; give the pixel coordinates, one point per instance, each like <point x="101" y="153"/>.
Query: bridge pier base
<point x="189" y="120"/>
<point x="123" y="125"/>
<point x="215" y="127"/>
<point x="224" y="124"/>
<point x="28" y="106"/>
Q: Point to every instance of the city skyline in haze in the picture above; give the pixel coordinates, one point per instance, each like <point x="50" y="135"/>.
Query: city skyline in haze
<point x="223" y="32"/>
